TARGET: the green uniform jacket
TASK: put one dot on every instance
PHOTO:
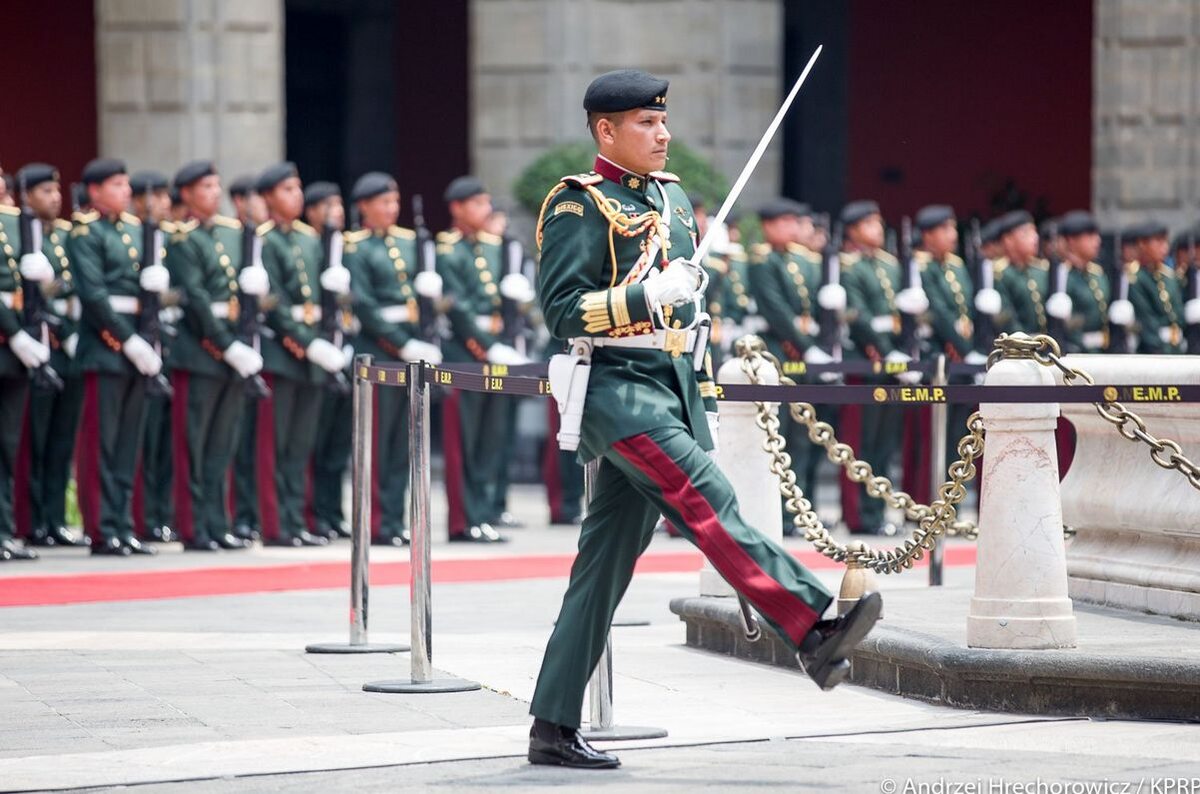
(292, 258)
(64, 303)
(871, 283)
(1158, 305)
(784, 284)
(106, 255)
(10, 285)
(380, 264)
(582, 292)
(738, 302)
(948, 286)
(1090, 295)
(471, 271)
(204, 260)
(1023, 293)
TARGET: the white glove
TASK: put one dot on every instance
(36, 267)
(1059, 306)
(244, 359)
(70, 344)
(515, 287)
(348, 352)
(1191, 311)
(416, 350)
(325, 355)
(254, 280)
(988, 301)
(503, 354)
(155, 278)
(912, 300)
(815, 355)
(975, 358)
(142, 356)
(832, 297)
(1120, 312)
(31, 352)
(336, 279)
(714, 425)
(428, 284)
(908, 377)
(674, 286)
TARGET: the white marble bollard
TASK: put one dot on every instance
(1020, 599)
(746, 465)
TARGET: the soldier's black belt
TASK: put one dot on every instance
(528, 380)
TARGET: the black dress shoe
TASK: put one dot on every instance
(395, 540)
(484, 533)
(201, 545)
(61, 536)
(163, 534)
(111, 547)
(135, 546)
(824, 654)
(284, 540)
(508, 521)
(11, 549)
(566, 520)
(309, 539)
(247, 532)
(332, 529)
(228, 541)
(555, 745)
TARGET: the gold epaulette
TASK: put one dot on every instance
(226, 221)
(131, 219)
(663, 176)
(736, 252)
(1132, 267)
(759, 253)
(579, 181)
(449, 237)
(886, 258)
(304, 228)
(180, 231)
(922, 258)
(355, 237)
(490, 239)
(955, 259)
(1041, 264)
(167, 227)
(1095, 269)
(402, 233)
(91, 216)
(7, 210)
(264, 227)
(61, 225)
(999, 265)
(849, 258)
(716, 264)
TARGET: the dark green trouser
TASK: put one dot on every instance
(113, 425)
(297, 407)
(245, 467)
(207, 421)
(156, 464)
(882, 431)
(483, 433)
(508, 437)
(53, 421)
(391, 463)
(331, 456)
(13, 390)
(664, 471)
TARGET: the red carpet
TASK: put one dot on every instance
(149, 585)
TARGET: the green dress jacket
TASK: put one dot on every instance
(292, 258)
(948, 286)
(1158, 305)
(1090, 294)
(381, 265)
(784, 284)
(204, 260)
(106, 255)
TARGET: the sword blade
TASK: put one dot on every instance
(748, 169)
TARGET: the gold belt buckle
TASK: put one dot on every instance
(310, 314)
(675, 342)
(234, 308)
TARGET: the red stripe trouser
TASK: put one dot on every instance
(664, 471)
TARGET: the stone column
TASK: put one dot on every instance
(1146, 113)
(186, 79)
(532, 59)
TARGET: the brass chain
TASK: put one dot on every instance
(1045, 350)
(933, 521)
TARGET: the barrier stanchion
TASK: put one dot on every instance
(939, 415)
(360, 478)
(421, 679)
(600, 705)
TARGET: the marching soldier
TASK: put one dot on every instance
(650, 413)
(152, 203)
(298, 361)
(1154, 291)
(53, 414)
(471, 264)
(382, 259)
(208, 361)
(1022, 279)
(107, 258)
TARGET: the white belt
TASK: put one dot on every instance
(754, 324)
(1093, 340)
(883, 324)
(400, 313)
(654, 341)
(1166, 334)
(220, 309)
(484, 323)
(171, 314)
(70, 307)
(303, 313)
(124, 304)
(7, 299)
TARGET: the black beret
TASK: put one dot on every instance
(275, 174)
(193, 172)
(856, 211)
(1049, 228)
(990, 232)
(176, 195)
(780, 207)
(933, 216)
(79, 195)
(1187, 238)
(625, 89)
(1077, 222)
(242, 186)
(101, 169)
(34, 174)
(317, 192)
(142, 181)
(372, 184)
(464, 188)
(1144, 230)
(697, 201)
(1011, 220)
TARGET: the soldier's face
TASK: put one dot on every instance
(257, 208)
(1083, 246)
(472, 213)
(160, 204)
(780, 231)
(111, 195)
(1021, 244)
(45, 200)
(638, 141)
(380, 212)
(203, 197)
(867, 233)
(327, 211)
(941, 240)
(286, 199)
(805, 232)
(1152, 250)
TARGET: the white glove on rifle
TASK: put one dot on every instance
(908, 377)
(975, 358)
(416, 350)
(674, 286)
(1059, 306)
(428, 284)
(1120, 312)
(31, 352)
(515, 287)
(155, 278)
(912, 300)
(815, 355)
(244, 359)
(70, 344)
(36, 267)
(714, 425)
(336, 280)
(1191, 311)
(254, 280)
(832, 297)
(141, 355)
(503, 354)
(987, 301)
(325, 355)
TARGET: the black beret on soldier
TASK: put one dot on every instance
(143, 181)
(1077, 222)
(33, 174)
(193, 172)
(856, 211)
(1144, 231)
(242, 186)
(464, 188)
(1012, 220)
(317, 192)
(372, 184)
(275, 174)
(933, 216)
(101, 169)
(625, 89)
(781, 207)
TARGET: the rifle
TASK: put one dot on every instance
(248, 310)
(37, 318)
(150, 303)
(984, 336)
(1058, 273)
(1118, 335)
(510, 311)
(908, 342)
(831, 320)
(426, 260)
(1193, 289)
(331, 327)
